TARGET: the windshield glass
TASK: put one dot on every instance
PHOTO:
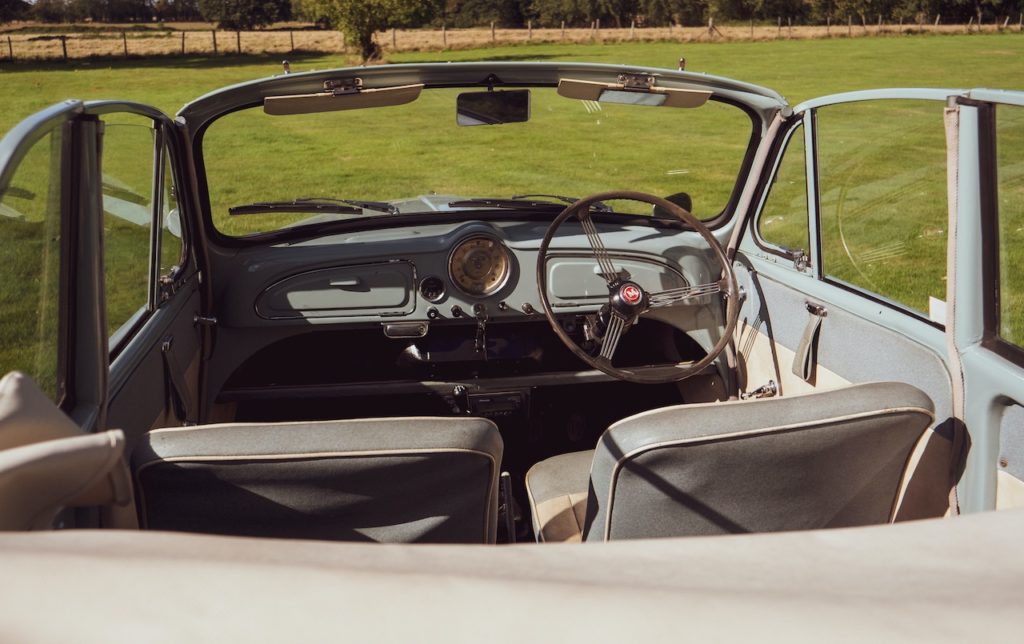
(416, 157)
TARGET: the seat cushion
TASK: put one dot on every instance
(557, 491)
(387, 480)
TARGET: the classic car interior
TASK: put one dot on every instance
(485, 361)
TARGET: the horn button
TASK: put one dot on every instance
(628, 299)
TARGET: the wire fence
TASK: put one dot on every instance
(143, 44)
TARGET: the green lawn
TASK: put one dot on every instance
(413, 150)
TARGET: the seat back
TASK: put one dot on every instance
(386, 480)
(820, 460)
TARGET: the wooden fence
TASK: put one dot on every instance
(143, 44)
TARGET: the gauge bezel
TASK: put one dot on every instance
(441, 296)
(502, 248)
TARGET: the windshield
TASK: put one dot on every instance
(416, 157)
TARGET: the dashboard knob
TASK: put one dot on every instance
(457, 311)
(433, 313)
(528, 308)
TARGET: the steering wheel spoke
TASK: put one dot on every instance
(604, 260)
(675, 296)
(616, 329)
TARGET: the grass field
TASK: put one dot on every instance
(401, 157)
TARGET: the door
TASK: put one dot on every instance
(844, 264)
(99, 278)
(988, 331)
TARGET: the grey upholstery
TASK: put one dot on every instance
(388, 480)
(821, 460)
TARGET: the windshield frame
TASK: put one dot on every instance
(757, 103)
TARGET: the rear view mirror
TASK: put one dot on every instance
(493, 108)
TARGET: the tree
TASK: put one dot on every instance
(244, 14)
(358, 20)
(13, 10)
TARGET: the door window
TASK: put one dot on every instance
(1010, 177)
(30, 263)
(882, 199)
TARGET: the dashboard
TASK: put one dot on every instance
(412, 277)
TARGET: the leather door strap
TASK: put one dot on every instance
(178, 397)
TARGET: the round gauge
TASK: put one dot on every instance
(432, 288)
(479, 266)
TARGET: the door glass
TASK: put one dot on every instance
(882, 192)
(783, 220)
(30, 233)
(128, 155)
(1010, 173)
(170, 230)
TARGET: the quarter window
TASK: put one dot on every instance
(1010, 176)
(783, 220)
(30, 256)
(128, 160)
(882, 199)
(170, 218)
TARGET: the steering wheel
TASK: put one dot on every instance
(628, 301)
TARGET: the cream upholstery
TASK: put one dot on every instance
(47, 463)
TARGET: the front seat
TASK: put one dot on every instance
(387, 480)
(821, 460)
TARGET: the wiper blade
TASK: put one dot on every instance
(364, 204)
(316, 205)
(599, 206)
(520, 204)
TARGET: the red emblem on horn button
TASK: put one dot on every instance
(630, 294)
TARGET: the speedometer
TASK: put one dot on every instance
(479, 266)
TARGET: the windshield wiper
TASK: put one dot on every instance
(314, 205)
(525, 202)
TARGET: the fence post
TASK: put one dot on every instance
(529, 30)
(214, 32)
(789, 27)
(64, 47)
(124, 41)
(182, 43)
(938, 17)
(238, 41)
(969, 24)
(828, 26)
(778, 34)
(291, 40)
(492, 31)
(1006, 22)
(563, 30)
(632, 28)
(879, 23)
(751, 28)
(598, 27)
(444, 35)
(10, 49)
(849, 25)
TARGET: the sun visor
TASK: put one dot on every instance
(632, 93)
(341, 97)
